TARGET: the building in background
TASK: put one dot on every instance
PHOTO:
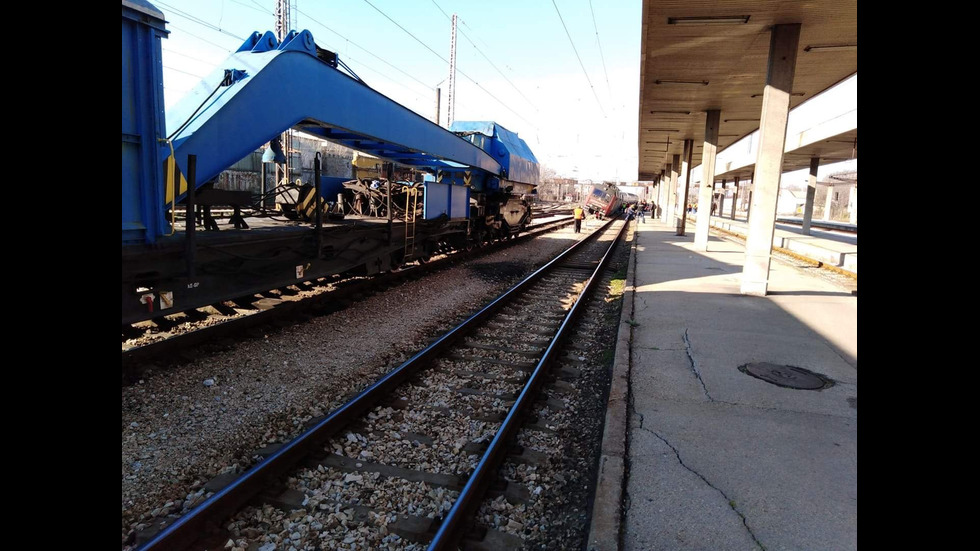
(840, 189)
(246, 174)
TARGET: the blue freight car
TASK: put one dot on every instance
(142, 122)
(451, 189)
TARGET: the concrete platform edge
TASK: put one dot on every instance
(845, 260)
(607, 509)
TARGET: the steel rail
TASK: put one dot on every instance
(225, 502)
(230, 327)
(456, 522)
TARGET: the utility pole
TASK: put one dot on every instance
(451, 100)
(438, 100)
(284, 22)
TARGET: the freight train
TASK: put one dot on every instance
(437, 189)
(607, 200)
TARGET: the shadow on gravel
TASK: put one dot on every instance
(499, 272)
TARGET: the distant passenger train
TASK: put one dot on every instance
(608, 199)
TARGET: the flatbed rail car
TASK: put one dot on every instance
(474, 183)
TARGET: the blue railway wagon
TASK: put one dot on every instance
(142, 122)
(475, 191)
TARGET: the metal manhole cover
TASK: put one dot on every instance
(787, 376)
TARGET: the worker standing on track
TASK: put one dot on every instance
(579, 215)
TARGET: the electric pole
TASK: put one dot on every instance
(438, 99)
(451, 100)
(284, 23)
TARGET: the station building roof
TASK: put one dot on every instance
(698, 55)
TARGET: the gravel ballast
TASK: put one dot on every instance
(182, 427)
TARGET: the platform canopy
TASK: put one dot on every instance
(698, 55)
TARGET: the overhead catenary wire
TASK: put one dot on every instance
(200, 21)
(368, 67)
(442, 10)
(484, 42)
(382, 74)
(499, 71)
(602, 57)
(188, 33)
(599, 103)
(478, 85)
(210, 26)
(365, 50)
(406, 30)
(475, 47)
(226, 49)
(487, 92)
(259, 8)
(180, 71)
(365, 65)
(175, 52)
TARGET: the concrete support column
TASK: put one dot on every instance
(748, 202)
(734, 197)
(769, 165)
(684, 186)
(811, 192)
(721, 200)
(854, 205)
(830, 199)
(670, 217)
(706, 195)
(655, 200)
(655, 197)
(662, 195)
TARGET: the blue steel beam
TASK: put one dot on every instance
(271, 87)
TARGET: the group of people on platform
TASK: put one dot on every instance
(693, 208)
(638, 210)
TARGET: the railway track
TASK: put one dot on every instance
(414, 459)
(846, 279)
(169, 338)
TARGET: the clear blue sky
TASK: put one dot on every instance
(515, 63)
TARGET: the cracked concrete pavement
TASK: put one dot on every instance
(717, 459)
(691, 529)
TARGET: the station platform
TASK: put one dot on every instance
(709, 441)
(833, 243)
